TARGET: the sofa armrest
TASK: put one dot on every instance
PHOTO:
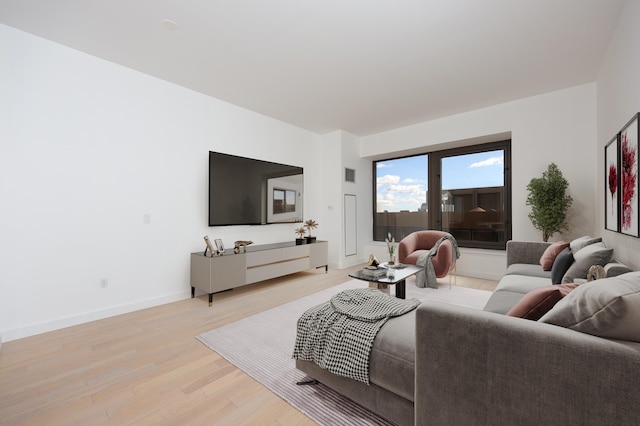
(476, 367)
(525, 252)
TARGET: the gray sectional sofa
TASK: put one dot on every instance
(449, 365)
(524, 272)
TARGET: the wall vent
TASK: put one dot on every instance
(349, 175)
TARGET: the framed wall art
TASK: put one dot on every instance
(612, 184)
(629, 178)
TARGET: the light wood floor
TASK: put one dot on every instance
(146, 367)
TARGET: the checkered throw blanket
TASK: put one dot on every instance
(338, 335)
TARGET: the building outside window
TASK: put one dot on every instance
(463, 191)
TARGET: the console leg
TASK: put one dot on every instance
(401, 290)
(193, 292)
(210, 299)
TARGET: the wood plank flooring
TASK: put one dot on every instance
(146, 367)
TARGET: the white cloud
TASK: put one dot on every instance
(493, 161)
(384, 166)
(407, 189)
(388, 180)
(411, 180)
(396, 197)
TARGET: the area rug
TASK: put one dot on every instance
(261, 345)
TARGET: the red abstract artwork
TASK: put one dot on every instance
(629, 178)
(613, 182)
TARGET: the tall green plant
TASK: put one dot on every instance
(549, 202)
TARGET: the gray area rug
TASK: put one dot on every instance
(261, 345)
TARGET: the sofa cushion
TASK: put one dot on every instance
(539, 301)
(392, 359)
(521, 283)
(608, 308)
(527, 269)
(582, 242)
(561, 265)
(501, 301)
(511, 289)
(593, 254)
(549, 255)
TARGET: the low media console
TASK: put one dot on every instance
(261, 262)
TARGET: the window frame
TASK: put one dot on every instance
(435, 183)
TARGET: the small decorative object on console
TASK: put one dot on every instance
(310, 224)
(301, 239)
(243, 244)
(209, 247)
(373, 261)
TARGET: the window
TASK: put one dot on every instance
(469, 187)
(401, 196)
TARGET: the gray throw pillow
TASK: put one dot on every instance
(582, 242)
(561, 265)
(608, 308)
(593, 254)
(615, 269)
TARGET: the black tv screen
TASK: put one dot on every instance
(246, 191)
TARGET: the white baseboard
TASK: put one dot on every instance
(349, 262)
(33, 329)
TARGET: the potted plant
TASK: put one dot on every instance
(310, 224)
(391, 246)
(301, 239)
(549, 202)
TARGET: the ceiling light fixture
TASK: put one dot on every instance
(170, 25)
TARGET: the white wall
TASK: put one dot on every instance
(87, 150)
(618, 100)
(330, 192)
(558, 127)
(364, 196)
(340, 150)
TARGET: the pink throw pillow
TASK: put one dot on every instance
(549, 255)
(539, 301)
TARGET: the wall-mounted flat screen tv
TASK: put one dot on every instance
(246, 191)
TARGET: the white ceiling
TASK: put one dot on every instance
(363, 66)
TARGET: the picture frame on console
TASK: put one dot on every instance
(219, 245)
(629, 215)
(612, 184)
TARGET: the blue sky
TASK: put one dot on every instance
(402, 183)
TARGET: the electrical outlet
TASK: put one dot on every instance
(104, 283)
